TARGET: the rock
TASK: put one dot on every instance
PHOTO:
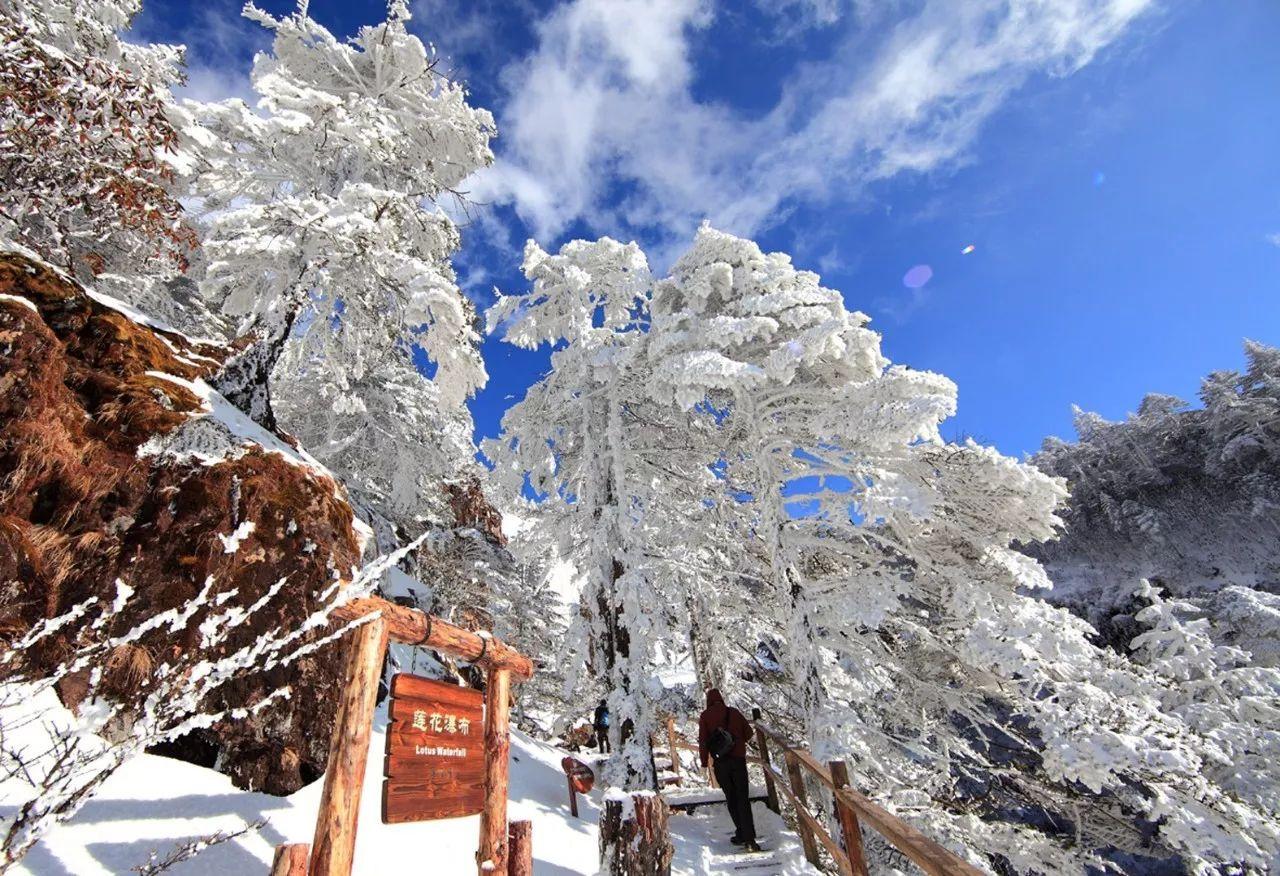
(472, 510)
(118, 461)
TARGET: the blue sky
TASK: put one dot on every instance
(1114, 163)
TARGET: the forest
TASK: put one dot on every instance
(236, 365)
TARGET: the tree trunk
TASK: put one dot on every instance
(708, 669)
(616, 665)
(633, 836)
(245, 378)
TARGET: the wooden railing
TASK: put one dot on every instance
(853, 809)
(673, 742)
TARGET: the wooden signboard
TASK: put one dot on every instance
(581, 780)
(435, 764)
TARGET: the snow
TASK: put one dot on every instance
(141, 318)
(231, 543)
(155, 803)
(218, 432)
(18, 299)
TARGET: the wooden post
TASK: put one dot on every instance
(671, 747)
(573, 797)
(802, 799)
(849, 827)
(290, 860)
(492, 855)
(520, 841)
(335, 838)
(762, 742)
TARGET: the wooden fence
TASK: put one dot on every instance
(852, 809)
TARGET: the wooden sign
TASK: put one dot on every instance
(581, 780)
(435, 764)
(580, 775)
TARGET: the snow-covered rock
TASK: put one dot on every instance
(119, 462)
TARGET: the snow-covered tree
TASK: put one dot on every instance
(1218, 690)
(588, 438)
(85, 139)
(894, 598)
(324, 232)
(1187, 497)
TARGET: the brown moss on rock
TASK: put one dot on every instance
(472, 509)
(82, 390)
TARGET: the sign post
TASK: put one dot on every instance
(581, 779)
(492, 856)
(334, 846)
(443, 777)
(435, 761)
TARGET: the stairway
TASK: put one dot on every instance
(758, 863)
(700, 828)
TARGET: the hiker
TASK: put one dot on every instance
(722, 735)
(601, 725)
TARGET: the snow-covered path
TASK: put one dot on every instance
(154, 804)
(702, 845)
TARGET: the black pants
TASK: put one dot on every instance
(731, 773)
(602, 739)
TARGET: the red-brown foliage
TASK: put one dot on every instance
(79, 508)
(80, 155)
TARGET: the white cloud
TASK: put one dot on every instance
(220, 46)
(1274, 238)
(465, 33)
(603, 125)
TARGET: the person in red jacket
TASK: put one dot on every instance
(731, 765)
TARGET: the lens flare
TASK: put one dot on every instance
(917, 276)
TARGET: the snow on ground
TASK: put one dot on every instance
(702, 845)
(154, 804)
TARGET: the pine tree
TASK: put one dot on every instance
(323, 231)
(896, 599)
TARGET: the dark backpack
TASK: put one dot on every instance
(721, 741)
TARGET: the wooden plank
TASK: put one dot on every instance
(435, 754)
(409, 687)
(335, 837)
(520, 840)
(497, 743)
(409, 626)
(801, 800)
(850, 830)
(933, 858)
(407, 801)
(290, 860)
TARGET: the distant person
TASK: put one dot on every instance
(601, 725)
(722, 735)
